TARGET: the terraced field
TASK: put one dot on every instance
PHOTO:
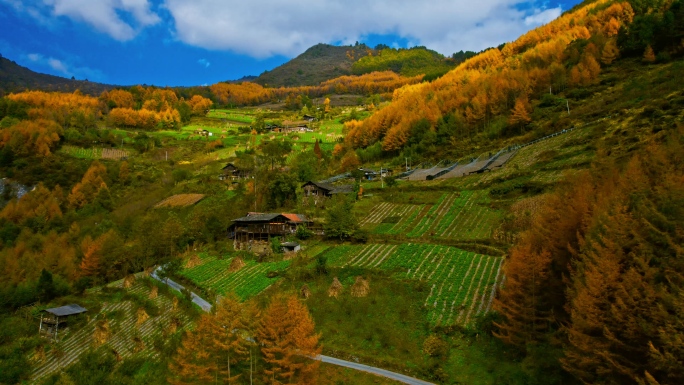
(124, 330)
(465, 215)
(245, 283)
(462, 283)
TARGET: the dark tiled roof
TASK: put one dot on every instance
(266, 217)
(70, 309)
(343, 189)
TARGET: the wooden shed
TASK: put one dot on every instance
(55, 319)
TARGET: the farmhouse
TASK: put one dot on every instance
(55, 319)
(259, 226)
(317, 189)
(232, 172)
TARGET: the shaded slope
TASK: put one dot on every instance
(15, 78)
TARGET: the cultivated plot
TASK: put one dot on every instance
(127, 335)
(462, 283)
(250, 280)
(463, 215)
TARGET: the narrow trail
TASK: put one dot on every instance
(206, 306)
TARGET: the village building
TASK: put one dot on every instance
(232, 172)
(309, 118)
(56, 319)
(317, 189)
(264, 226)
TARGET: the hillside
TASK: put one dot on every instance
(15, 78)
(407, 62)
(317, 64)
(529, 230)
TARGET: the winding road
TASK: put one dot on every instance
(206, 306)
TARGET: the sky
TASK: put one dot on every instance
(198, 42)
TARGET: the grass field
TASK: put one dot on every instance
(245, 283)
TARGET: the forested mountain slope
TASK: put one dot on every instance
(15, 78)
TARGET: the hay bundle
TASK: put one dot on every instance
(138, 344)
(174, 324)
(305, 291)
(175, 303)
(129, 281)
(102, 332)
(193, 262)
(236, 264)
(336, 288)
(39, 354)
(360, 288)
(117, 355)
(148, 271)
(154, 292)
(142, 316)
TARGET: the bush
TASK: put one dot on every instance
(303, 233)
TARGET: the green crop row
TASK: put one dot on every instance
(247, 282)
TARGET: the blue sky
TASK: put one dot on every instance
(195, 42)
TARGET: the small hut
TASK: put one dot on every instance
(52, 320)
(290, 247)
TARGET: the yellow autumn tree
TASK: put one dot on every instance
(90, 185)
(649, 55)
(288, 341)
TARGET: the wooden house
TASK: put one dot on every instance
(56, 319)
(317, 189)
(232, 172)
(261, 226)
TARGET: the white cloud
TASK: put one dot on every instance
(120, 19)
(204, 62)
(58, 66)
(61, 67)
(263, 28)
(543, 16)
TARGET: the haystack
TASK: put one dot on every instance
(39, 354)
(175, 303)
(129, 281)
(102, 332)
(336, 288)
(142, 316)
(360, 288)
(236, 264)
(305, 291)
(174, 324)
(148, 271)
(154, 291)
(193, 262)
(138, 343)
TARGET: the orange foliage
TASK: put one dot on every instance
(287, 338)
(489, 83)
(241, 94)
(60, 107)
(32, 253)
(37, 137)
(39, 203)
(199, 104)
(90, 185)
(120, 98)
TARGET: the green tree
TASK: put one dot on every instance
(282, 190)
(340, 221)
